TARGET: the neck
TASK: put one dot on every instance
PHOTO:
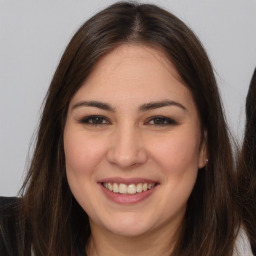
(153, 243)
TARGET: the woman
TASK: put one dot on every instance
(247, 167)
(132, 153)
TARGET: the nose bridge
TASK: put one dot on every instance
(127, 147)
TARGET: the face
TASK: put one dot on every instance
(132, 143)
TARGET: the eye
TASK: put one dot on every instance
(94, 120)
(161, 121)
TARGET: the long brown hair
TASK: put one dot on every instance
(57, 224)
(247, 167)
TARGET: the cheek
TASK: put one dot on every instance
(178, 162)
(177, 154)
(82, 153)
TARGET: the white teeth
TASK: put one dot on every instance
(115, 188)
(131, 189)
(123, 189)
(128, 189)
(150, 186)
(139, 188)
(109, 186)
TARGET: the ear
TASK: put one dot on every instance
(203, 152)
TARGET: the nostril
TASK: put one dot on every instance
(127, 157)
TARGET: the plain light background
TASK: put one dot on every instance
(33, 36)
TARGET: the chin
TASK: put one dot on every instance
(128, 226)
(128, 231)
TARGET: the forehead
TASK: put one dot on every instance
(132, 61)
(134, 72)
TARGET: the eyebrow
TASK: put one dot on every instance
(142, 108)
(95, 104)
(160, 104)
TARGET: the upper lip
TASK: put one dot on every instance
(127, 181)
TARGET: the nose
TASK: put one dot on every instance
(127, 148)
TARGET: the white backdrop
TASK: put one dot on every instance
(33, 35)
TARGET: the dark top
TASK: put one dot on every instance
(8, 207)
(9, 229)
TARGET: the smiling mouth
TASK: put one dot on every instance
(128, 189)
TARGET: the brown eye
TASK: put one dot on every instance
(161, 121)
(95, 120)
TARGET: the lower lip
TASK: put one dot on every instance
(127, 198)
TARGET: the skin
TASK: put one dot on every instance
(129, 142)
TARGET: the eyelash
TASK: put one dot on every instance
(97, 120)
(162, 121)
